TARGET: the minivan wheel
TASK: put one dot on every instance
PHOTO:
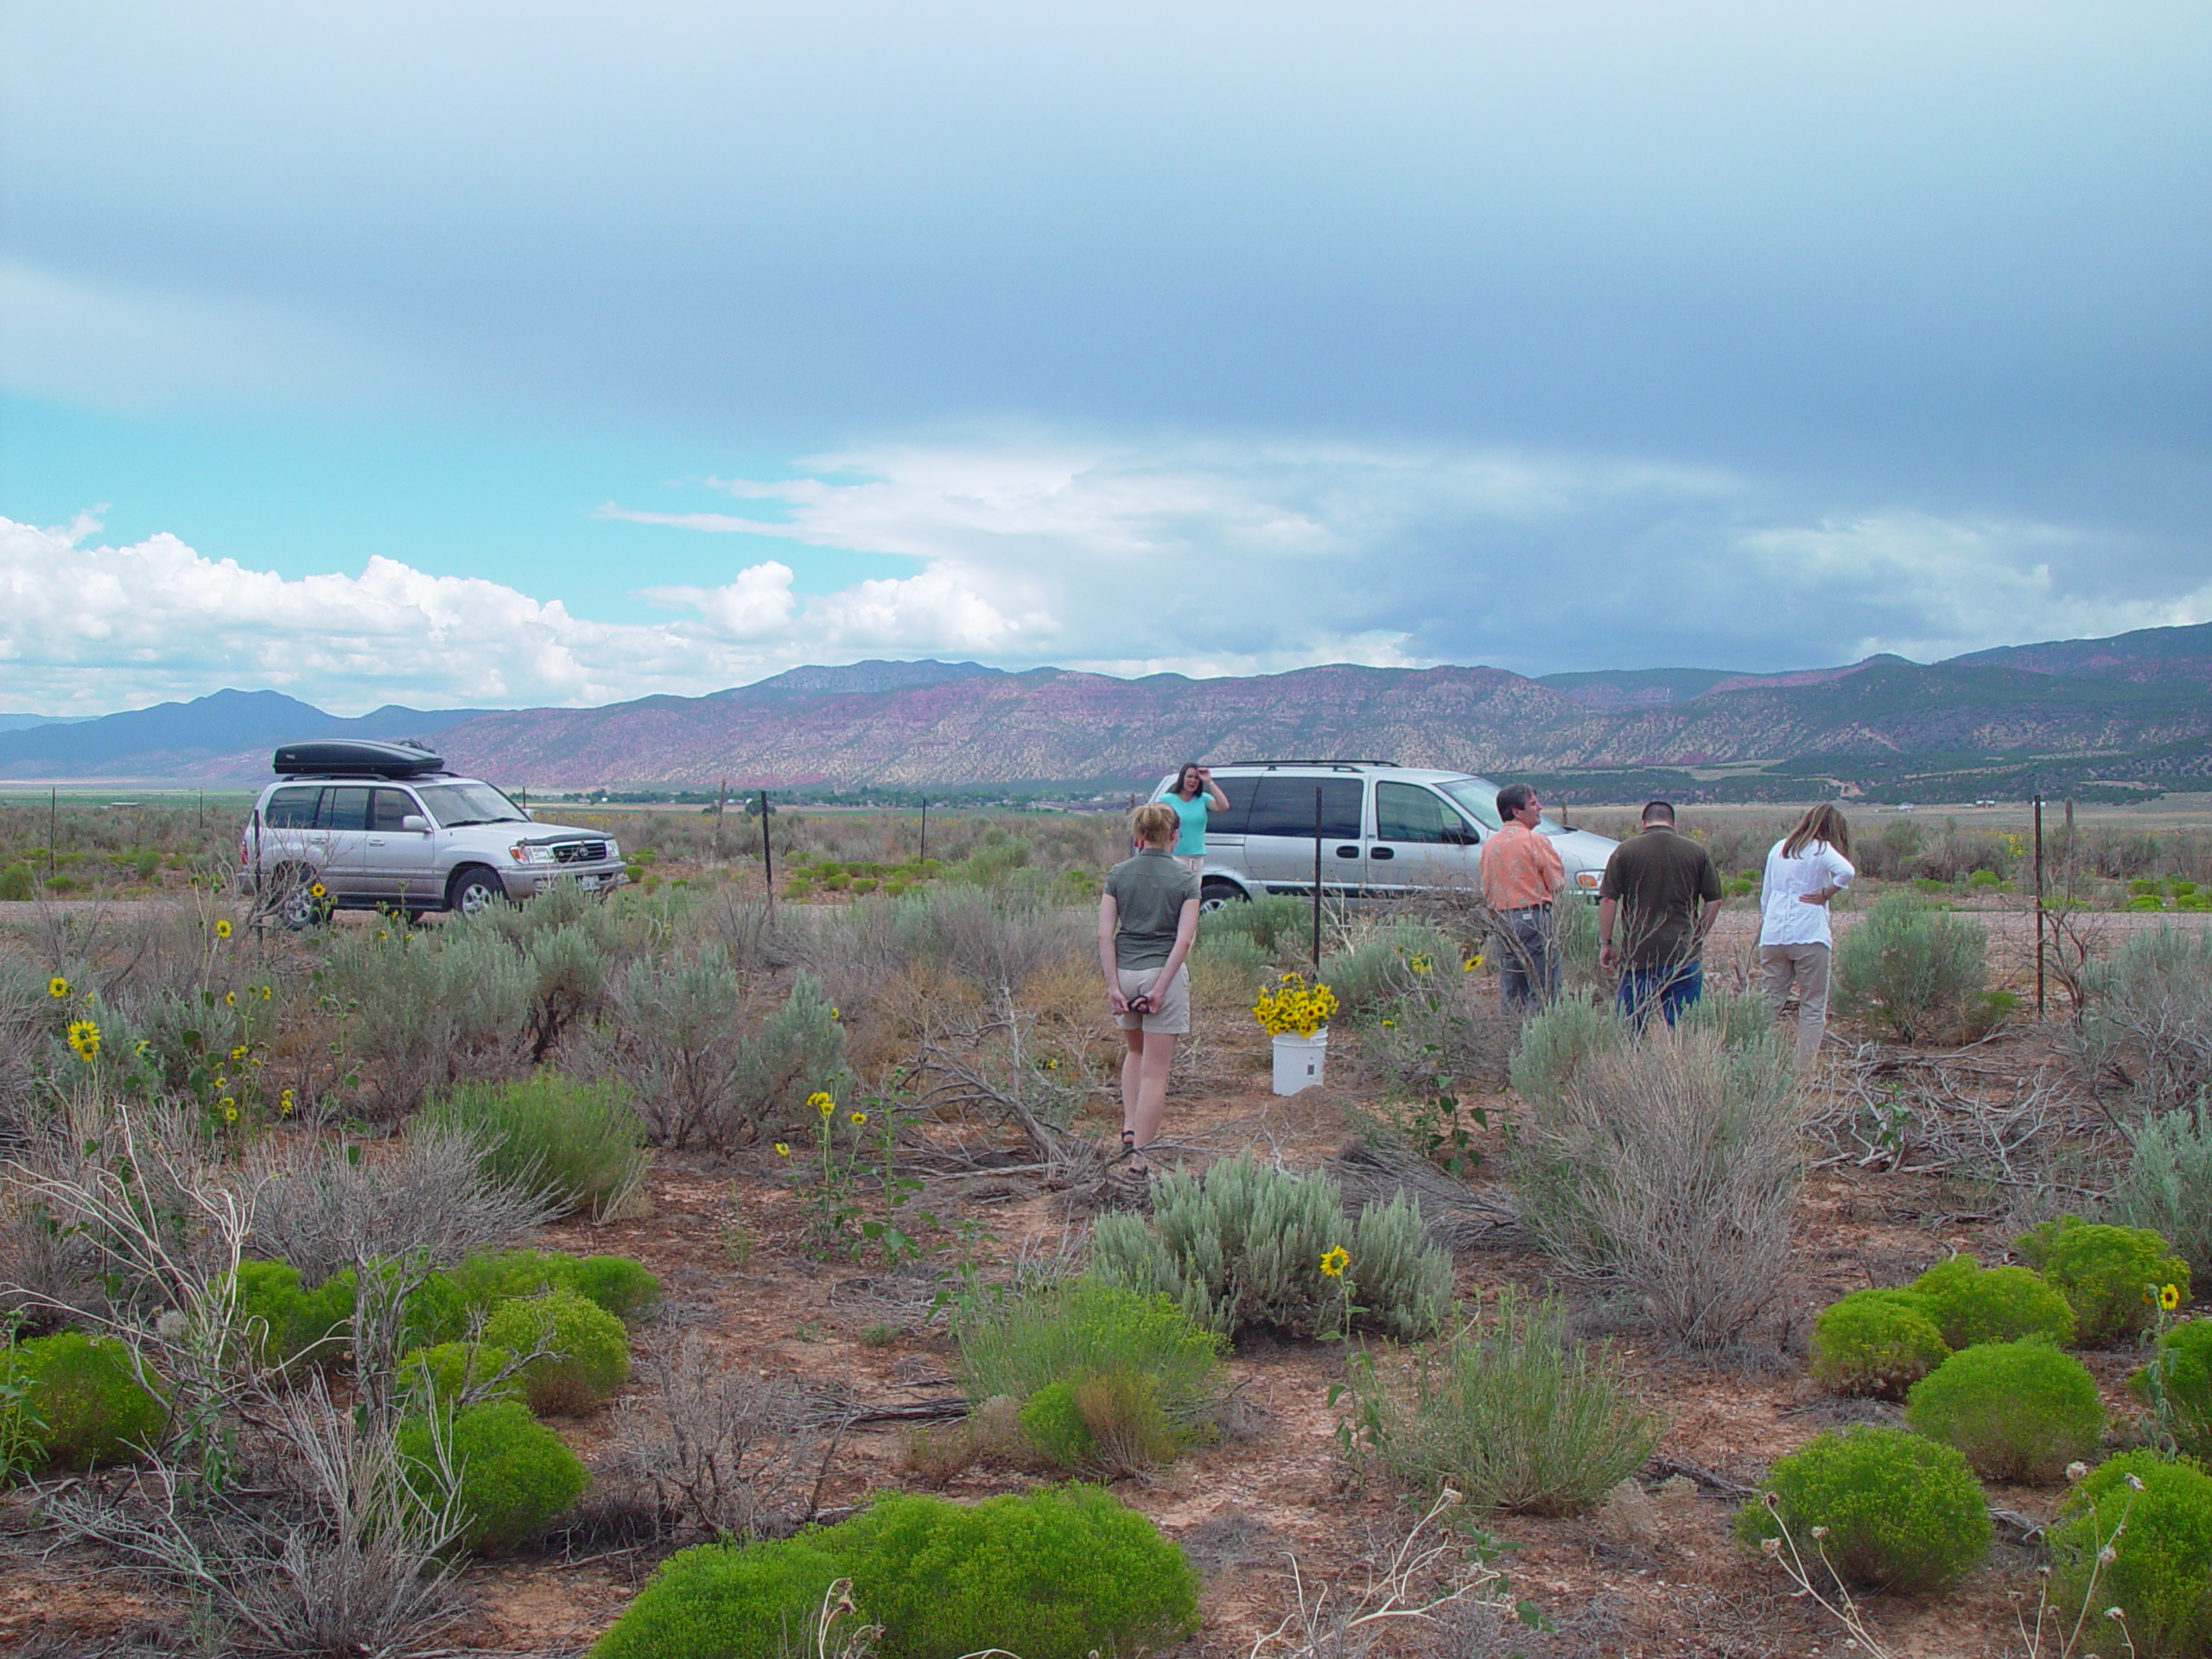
(1213, 894)
(475, 889)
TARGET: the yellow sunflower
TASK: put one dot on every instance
(859, 1118)
(2170, 1297)
(1334, 1261)
(316, 891)
(222, 930)
(84, 1041)
(782, 1151)
(57, 987)
(822, 1103)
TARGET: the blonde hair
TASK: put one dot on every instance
(1822, 823)
(1155, 823)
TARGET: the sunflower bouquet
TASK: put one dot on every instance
(1292, 1004)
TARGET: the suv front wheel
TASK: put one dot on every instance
(475, 889)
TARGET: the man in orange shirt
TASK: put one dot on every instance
(1522, 872)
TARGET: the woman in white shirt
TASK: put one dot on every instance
(1805, 869)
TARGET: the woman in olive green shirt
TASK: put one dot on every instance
(1147, 919)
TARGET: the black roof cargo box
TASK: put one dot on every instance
(356, 757)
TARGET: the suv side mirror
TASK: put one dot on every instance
(415, 821)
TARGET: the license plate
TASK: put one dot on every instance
(588, 882)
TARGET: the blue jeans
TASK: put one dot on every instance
(1668, 990)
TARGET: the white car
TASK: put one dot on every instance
(385, 825)
(1383, 829)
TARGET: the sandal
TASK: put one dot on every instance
(1128, 1143)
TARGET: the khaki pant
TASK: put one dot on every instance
(1805, 968)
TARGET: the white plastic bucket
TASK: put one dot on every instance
(1299, 1060)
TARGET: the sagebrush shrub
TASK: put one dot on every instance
(2018, 1410)
(580, 1146)
(2167, 1186)
(1226, 970)
(515, 1474)
(2159, 1526)
(1557, 1042)
(590, 1356)
(1276, 924)
(86, 1399)
(1670, 1168)
(2176, 1381)
(2110, 1276)
(289, 1326)
(1056, 1573)
(1903, 1512)
(1974, 1304)
(1877, 1342)
(1100, 1424)
(1917, 973)
(726, 1601)
(437, 1006)
(2148, 1016)
(1059, 1333)
(436, 1377)
(1243, 1245)
(1392, 960)
(1513, 1415)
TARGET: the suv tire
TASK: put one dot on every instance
(1216, 893)
(475, 890)
(295, 905)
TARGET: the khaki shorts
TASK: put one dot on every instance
(1171, 1018)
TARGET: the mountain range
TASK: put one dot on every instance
(2128, 715)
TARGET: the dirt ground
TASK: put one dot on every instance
(1661, 1578)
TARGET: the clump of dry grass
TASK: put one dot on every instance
(1669, 1168)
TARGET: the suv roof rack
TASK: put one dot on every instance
(1309, 763)
(355, 757)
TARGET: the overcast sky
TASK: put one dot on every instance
(501, 354)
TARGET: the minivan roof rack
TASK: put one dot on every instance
(355, 757)
(1309, 763)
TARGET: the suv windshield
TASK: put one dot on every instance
(1479, 798)
(455, 805)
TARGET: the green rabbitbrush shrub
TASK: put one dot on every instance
(1974, 1304)
(590, 1356)
(1877, 1342)
(442, 1309)
(2110, 1276)
(1514, 1415)
(1241, 1247)
(2161, 1575)
(1902, 1512)
(2018, 1410)
(289, 1327)
(515, 1473)
(85, 1399)
(1102, 1425)
(579, 1145)
(1058, 1573)
(438, 1376)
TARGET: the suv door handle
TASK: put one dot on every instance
(1347, 851)
(1381, 852)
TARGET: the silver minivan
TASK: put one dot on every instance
(1384, 829)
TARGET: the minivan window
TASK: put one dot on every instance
(1409, 812)
(291, 808)
(455, 804)
(1284, 806)
(1479, 799)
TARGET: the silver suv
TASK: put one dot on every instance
(1385, 829)
(357, 825)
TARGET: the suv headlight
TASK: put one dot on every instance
(522, 853)
(1589, 880)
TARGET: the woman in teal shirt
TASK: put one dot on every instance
(1195, 795)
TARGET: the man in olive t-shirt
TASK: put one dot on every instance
(1661, 892)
